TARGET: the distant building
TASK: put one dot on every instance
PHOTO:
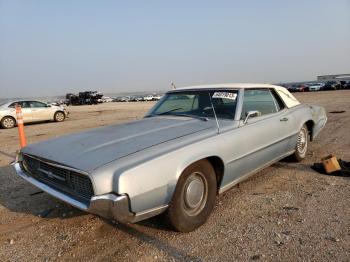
(341, 77)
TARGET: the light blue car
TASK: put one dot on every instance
(195, 143)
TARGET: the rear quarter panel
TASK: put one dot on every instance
(304, 113)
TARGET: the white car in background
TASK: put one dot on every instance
(106, 99)
(148, 98)
(32, 111)
(157, 97)
(316, 86)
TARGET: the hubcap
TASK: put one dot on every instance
(302, 141)
(8, 122)
(195, 194)
(59, 116)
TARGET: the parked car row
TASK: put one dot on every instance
(84, 98)
(317, 86)
(137, 98)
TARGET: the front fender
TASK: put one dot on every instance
(152, 183)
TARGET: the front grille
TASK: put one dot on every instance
(64, 180)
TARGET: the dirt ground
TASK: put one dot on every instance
(287, 212)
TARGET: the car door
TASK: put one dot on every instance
(262, 139)
(25, 108)
(40, 111)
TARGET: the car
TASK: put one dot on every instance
(177, 158)
(122, 99)
(296, 88)
(106, 99)
(332, 85)
(344, 84)
(347, 85)
(148, 98)
(315, 86)
(32, 111)
(157, 97)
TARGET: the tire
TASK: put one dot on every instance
(8, 122)
(301, 145)
(59, 116)
(189, 209)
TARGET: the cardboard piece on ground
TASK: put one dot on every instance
(330, 164)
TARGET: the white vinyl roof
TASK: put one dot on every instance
(287, 97)
(229, 85)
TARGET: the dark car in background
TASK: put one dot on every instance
(347, 85)
(332, 85)
(296, 88)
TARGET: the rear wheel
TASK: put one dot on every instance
(8, 122)
(194, 197)
(302, 143)
(59, 116)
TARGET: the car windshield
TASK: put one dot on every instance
(197, 104)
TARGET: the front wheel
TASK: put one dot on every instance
(59, 116)
(302, 143)
(194, 197)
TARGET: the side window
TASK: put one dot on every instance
(278, 101)
(36, 104)
(25, 104)
(258, 100)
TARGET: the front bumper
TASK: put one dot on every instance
(110, 206)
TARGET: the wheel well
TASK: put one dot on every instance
(219, 168)
(310, 124)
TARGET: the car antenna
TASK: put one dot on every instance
(216, 119)
(173, 85)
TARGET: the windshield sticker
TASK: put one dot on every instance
(226, 95)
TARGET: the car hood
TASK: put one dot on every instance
(91, 149)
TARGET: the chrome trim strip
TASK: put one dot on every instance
(50, 190)
(149, 213)
(58, 165)
(246, 176)
(108, 197)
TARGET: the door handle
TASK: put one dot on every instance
(284, 119)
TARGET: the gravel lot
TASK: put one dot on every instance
(287, 212)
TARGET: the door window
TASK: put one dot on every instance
(36, 104)
(258, 100)
(23, 104)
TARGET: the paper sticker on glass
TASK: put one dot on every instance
(227, 95)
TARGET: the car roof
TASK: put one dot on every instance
(9, 102)
(286, 96)
(230, 85)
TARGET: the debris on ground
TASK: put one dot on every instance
(341, 168)
(337, 112)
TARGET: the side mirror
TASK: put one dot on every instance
(251, 114)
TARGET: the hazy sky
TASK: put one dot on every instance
(54, 47)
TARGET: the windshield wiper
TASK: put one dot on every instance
(181, 114)
(167, 112)
(203, 118)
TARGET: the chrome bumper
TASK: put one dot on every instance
(109, 206)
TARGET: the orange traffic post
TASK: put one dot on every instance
(22, 137)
